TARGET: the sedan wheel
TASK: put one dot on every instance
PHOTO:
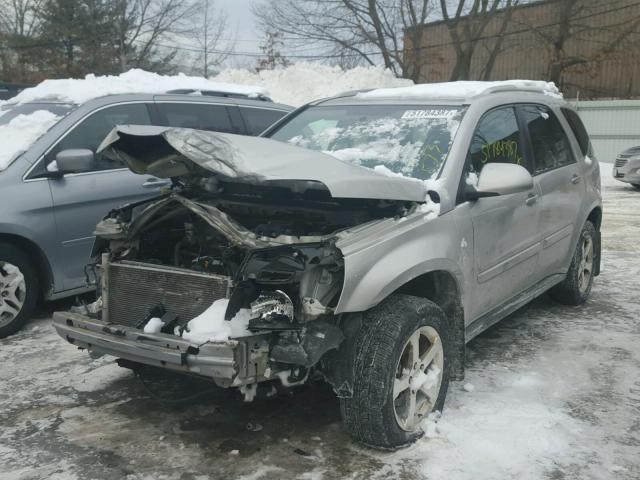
(418, 378)
(13, 293)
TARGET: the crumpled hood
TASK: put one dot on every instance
(172, 152)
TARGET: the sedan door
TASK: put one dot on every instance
(80, 200)
(506, 227)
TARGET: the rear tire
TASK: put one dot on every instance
(401, 372)
(636, 186)
(575, 288)
(18, 289)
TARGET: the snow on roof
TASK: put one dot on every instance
(459, 90)
(79, 91)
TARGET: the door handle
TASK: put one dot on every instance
(575, 179)
(155, 183)
(531, 199)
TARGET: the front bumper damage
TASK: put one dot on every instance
(228, 363)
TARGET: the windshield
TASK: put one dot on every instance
(22, 125)
(411, 140)
(9, 112)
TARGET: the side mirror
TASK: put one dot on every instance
(500, 179)
(72, 161)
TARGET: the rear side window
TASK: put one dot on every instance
(578, 129)
(549, 143)
(200, 116)
(497, 139)
(259, 119)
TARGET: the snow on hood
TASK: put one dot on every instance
(20, 133)
(458, 90)
(162, 151)
(78, 91)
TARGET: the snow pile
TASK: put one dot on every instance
(210, 325)
(303, 82)
(78, 91)
(154, 325)
(18, 135)
(461, 89)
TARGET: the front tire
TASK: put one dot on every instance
(401, 372)
(636, 186)
(576, 287)
(18, 289)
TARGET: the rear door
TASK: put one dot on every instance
(561, 183)
(80, 200)
(505, 228)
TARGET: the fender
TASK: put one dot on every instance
(376, 270)
(26, 239)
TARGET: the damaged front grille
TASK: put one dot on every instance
(133, 289)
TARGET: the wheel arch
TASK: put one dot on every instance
(441, 287)
(595, 217)
(40, 261)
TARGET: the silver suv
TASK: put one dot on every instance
(368, 239)
(50, 203)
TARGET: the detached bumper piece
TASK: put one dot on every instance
(228, 362)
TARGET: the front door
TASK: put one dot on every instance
(506, 228)
(80, 200)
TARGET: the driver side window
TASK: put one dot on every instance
(93, 129)
(497, 139)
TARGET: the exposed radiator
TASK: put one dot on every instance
(133, 288)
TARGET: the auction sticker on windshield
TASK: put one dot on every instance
(431, 113)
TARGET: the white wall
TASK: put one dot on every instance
(613, 125)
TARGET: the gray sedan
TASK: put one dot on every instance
(49, 206)
(627, 167)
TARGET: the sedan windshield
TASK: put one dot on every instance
(9, 112)
(22, 125)
(411, 140)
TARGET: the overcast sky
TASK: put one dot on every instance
(241, 21)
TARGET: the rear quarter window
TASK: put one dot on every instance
(578, 129)
(259, 119)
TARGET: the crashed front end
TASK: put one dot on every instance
(265, 247)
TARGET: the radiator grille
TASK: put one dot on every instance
(135, 288)
(621, 162)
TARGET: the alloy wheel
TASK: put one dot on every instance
(13, 292)
(416, 384)
(586, 264)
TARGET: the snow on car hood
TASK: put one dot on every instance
(171, 152)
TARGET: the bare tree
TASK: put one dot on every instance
(271, 48)
(369, 30)
(585, 21)
(466, 23)
(140, 27)
(18, 27)
(209, 32)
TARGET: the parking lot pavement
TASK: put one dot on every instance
(551, 392)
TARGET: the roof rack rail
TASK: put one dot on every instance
(515, 88)
(216, 93)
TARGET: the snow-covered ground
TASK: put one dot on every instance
(552, 392)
